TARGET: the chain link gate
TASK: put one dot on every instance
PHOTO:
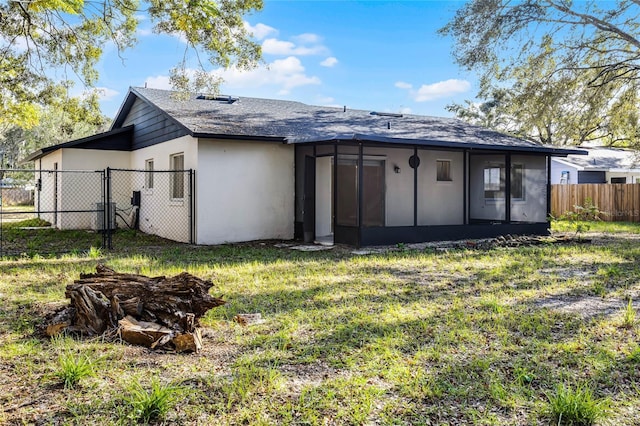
(55, 211)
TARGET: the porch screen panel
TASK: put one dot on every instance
(373, 193)
(487, 189)
(301, 153)
(347, 192)
(528, 188)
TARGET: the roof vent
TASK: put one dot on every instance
(220, 98)
(386, 114)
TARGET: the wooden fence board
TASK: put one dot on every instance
(619, 202)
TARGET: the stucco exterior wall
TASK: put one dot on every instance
(440, 203)
(79, 187)
(245, 191)
(160, 214)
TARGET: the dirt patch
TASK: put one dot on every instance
(586, 307)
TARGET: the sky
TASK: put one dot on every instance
(381, 56)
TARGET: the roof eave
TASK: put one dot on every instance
(441, 144)
(205, 135)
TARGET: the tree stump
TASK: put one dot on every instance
(157, 312)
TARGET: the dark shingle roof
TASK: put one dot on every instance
(295, 122)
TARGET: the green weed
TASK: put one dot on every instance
(72, 368)
(628, 315)
(152, 404)
(576, 406)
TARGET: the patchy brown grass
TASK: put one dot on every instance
(402, 336)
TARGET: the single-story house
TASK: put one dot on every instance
(600, 165)
(273, 169)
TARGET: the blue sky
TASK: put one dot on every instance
(371, 55)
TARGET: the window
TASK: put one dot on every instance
(177, 178)
(618, 180)
(443, 170)
(495, 182)
(148, 176)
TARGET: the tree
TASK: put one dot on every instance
(61, 118)
(37, 36)
(570, 70)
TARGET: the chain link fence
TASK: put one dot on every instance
(55, 211)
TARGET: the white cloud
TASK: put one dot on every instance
(329, 62)
(274, 46)
(403, 85)
(106, 94)
(441, 89)
(158, 82)
(307, 38)
(144, 32)
(287, 74)
(405, 110)
(260, 31)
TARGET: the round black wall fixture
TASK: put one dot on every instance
(414, 161)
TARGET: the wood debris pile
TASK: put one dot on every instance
(156, 312)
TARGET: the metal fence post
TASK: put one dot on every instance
(107, 210)
(192, 205)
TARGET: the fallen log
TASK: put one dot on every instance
(157, 312)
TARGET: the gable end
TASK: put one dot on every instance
(151, 125)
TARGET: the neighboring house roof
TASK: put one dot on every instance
(292, 122)
(604, 159)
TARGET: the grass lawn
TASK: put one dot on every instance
(530, 335)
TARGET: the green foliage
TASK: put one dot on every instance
(61, 34)
(558, 72)
(152, 404)
(576, 406)
(581, 217)
(72, 368)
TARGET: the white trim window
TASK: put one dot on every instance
(176, 162)
(148, 176)
(443, 170)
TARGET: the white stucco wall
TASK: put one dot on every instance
(159, 214)
(79, 187)
(440, 203)
(245, 191)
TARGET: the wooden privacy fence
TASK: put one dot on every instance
(620, 202)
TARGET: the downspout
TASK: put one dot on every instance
(507, 189)
(360, 192)
(415, 189)
(548, 158)
(334, 208)
(465, 188)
